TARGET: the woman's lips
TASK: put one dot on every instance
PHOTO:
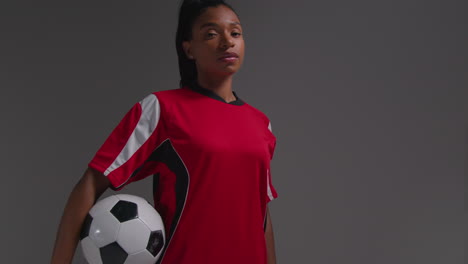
(228, 59)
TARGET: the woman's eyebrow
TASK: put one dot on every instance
(212, 24)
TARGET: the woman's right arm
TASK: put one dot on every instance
(83, 196)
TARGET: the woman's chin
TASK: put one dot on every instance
(231, 69)
(226, 72)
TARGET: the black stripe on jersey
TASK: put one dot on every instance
(166, 154)
(155, 182)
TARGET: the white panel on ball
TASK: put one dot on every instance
(133, 236)
(149, 216)
(90, 251)
(140, 257)
(103, 205)
(104, 229)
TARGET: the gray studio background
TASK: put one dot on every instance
(367, 100)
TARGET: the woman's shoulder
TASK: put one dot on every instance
(258, 113)
(170, 92)
(167, 94)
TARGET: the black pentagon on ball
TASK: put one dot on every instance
(155, 242)
(113, 254)
(85, 227)
(125, 210)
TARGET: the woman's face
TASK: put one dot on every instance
(216, 32)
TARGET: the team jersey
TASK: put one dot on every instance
(210, 163)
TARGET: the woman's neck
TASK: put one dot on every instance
(222, 86)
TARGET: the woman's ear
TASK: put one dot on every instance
(186, 46)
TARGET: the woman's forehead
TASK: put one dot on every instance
(220, 15)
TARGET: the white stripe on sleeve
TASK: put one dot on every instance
(150, 113)
(270, 194)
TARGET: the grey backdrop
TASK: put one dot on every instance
(367, 100)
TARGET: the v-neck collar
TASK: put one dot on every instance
(197, 88)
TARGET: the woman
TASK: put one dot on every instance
(207, 150)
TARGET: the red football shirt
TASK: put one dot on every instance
(210, 163)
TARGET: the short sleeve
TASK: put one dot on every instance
(271, 191)
(130, 143)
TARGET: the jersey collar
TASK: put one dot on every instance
(197, 88)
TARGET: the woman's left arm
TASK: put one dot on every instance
(270, 240)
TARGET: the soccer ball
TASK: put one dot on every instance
(122, 229)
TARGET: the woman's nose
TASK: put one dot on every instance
(227, 41)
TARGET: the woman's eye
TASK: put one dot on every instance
(236, 34)
(210, 34)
